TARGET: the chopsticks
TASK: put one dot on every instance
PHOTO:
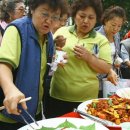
(22, 100)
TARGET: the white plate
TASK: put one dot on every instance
(83, 107)
(123, 92)
(125, 126)
(54, 122)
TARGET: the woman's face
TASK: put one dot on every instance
(19, 11)
(62, 22)
(85, 20)
(43, 18)
(113, 25)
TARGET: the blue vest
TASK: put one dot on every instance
(27, 75)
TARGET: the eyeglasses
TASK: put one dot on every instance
(46, 15)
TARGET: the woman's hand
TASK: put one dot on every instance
(97, 64)
(112, 77)
(118, 62)
(127, 63)
(12, 98)
(82, 53)
(60, 41)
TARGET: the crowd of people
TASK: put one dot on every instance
(29, 42)
(112, 20)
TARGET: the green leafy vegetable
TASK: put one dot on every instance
(90, 127)
(67, 124)
(94, 105)
(110, 102)
(47, 128)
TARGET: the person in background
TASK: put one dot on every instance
(126, 43)
(9, 11)
(56, 25)
(62, 21)
(88, 54)
(27, 46)
(125, 69)
(127, 35)
(112, 20)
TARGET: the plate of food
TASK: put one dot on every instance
(66, 124)
(123, 92)
(115, 110)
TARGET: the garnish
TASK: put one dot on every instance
(70, 126)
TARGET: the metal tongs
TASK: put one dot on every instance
(104, 122)
(36, 127)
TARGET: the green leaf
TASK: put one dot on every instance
(94, 105)
(110, 102)
(66, 124)
(47, 128)
(89, 127)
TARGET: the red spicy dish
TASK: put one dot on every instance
(114, 109)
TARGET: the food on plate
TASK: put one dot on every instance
(66, 125)
(114, 109)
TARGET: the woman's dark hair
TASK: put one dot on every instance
(83, 4)
(113, 11)
(53, 4)
(66, 10)
(6, 7)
